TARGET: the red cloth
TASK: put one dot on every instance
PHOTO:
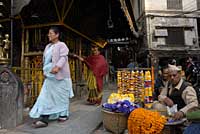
(99, 67)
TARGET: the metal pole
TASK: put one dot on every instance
(11, 33)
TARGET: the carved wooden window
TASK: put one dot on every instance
(174, 4)
(175, 37)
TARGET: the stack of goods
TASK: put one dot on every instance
(148, 89)
(140, 86)
(121, 78)
(142, 121)
(136, 83)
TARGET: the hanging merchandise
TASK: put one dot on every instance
(148, 88)
(137, 82)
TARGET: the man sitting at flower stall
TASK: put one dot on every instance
(178, 92)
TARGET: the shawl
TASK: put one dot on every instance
(99, 67)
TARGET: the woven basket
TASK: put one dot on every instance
(166, 130)
(114, 122)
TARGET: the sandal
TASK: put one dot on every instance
(98, 104)
(90, 103)
(39, 124)
(63, 118)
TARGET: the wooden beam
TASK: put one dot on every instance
(102, 45)
(64, 16)
(63, 8)
(57, 12)
(42, 25)
(8, 19)
(23, 47)
(84, 36)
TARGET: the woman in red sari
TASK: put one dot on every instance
(98, 68)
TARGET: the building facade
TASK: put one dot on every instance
(169, 28)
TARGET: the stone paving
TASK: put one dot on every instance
(84, 119)
(102, 130)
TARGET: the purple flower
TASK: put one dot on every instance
(131, 108)
(127, 102)
(121, 106)
(118, 105)
(125, 106)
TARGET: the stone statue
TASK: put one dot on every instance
(6, 47)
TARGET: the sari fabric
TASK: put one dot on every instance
(53, 99)
(98, 69)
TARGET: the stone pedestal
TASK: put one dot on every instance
(11, 99)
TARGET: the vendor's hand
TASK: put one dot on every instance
(178, 115)
(80, 58)
(168, 102)
(55, 70)
(74, 55)
(161, 98)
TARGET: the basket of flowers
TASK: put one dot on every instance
(114, 122)
(115, 115)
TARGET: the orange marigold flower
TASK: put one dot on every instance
(142, 121)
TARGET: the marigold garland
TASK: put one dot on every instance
(142, 121)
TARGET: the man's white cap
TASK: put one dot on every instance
(173, 68)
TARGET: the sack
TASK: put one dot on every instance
(172, 110)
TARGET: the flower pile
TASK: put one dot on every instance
(121, 106)
(142, 121)
(115, 97)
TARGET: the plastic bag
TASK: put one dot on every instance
(172, 110)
